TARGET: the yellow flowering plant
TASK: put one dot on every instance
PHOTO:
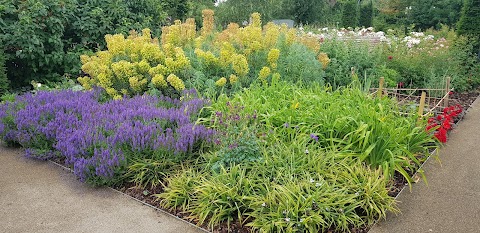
(131, 65)
(203, 59)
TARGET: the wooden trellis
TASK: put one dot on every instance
(430, 101)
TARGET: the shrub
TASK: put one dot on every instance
(59, 31)
(131, 65)
(41, 53)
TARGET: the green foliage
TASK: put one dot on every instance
(345, 120)
(466, 65)
(4, 82)
(238, 142)
(59, 31)
(344, 55)
(316, 191)
(91, 20)
(350, 13)
(180, 189)
(239, 11)
(366, 14)
(469, 21)
(426, 14)
(223, 197)
(149, 172)
(40, 54)
(288, 190)
(299, 64)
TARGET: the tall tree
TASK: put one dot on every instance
(366, 14)
(350, 13)
(469, 23)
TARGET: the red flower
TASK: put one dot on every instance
(446, 125)
(441, 135)
(390, 57)
(439, 117)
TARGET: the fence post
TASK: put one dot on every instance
(447, 91)
(422, 105)
(380, 87)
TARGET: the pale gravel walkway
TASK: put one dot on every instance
(451, 200)
(37, 196)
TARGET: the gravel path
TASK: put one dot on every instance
(37, 196)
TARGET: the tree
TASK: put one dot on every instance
(366, 14)
(426, 14)
(350, 13)
(302, 10)
(469, 22)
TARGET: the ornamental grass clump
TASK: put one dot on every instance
(288, 190)
(341, 120)
(99, 140)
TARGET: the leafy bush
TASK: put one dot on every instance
(131, 65)
(344, 55)
(100, 140)
(59, 31)
(42, 52)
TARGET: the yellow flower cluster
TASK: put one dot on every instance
(159, 81)
(229, 34)
(264, 73)
(176, 82)
(310, 41)
(233, 78)
(221, 82)
(179, 34)
(256, 21)
(137, 83)
(240, 65)
(208, 22)
(207, 57)
(323, 58)
(275, 77)
(131, 63)
(272, 57)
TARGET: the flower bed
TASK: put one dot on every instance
(100, 140)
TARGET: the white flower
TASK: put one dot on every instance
(356, 194)
(318, 184)
(312, 180)
(287, 219)
(306, 151)
(264, 204)
(39, 84)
